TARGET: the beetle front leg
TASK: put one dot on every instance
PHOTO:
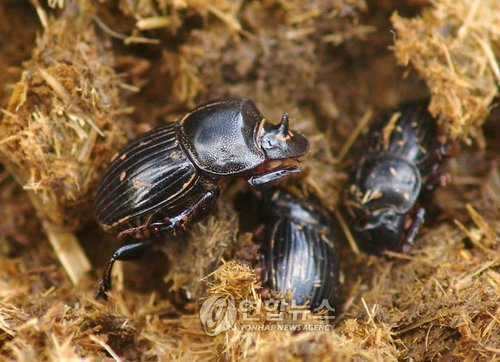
(415, 226)
(127, 252)
(262, 179)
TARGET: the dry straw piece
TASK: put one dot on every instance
(61, 127)
(454, 46)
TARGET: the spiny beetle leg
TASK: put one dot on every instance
(264, 179)
(201, 207)
(415, 226)
(134, 251)
(128, 252)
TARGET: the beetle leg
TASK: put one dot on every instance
(415, 226)
(262, 179)
(128, 252)
(197, 209)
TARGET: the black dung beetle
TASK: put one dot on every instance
(403, 153)
(173, 174)
(298, 251)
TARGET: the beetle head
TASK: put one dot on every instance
(279, 142)
(385, 228)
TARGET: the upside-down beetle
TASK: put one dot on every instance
(402, 156)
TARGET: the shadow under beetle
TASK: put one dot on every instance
(298, 251)
(173, 174)
(402, 157)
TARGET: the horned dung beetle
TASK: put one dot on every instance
(173, 174)
(404, 152)
(298, 250)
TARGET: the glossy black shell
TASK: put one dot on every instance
(222, 138)
(402, 158)
(172, 174)
(152, 172)
(298, 250)
(408, 133)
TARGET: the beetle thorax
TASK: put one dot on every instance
(220, 137)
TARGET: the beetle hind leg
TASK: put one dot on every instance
(128, 252)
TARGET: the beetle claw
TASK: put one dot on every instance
(103, 288)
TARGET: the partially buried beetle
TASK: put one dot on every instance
(298, 251)
(401, 161)
(173, 174)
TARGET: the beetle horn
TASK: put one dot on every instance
(283, 126)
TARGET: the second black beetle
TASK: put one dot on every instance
(298, 251)
(173, 174)
(403, 153)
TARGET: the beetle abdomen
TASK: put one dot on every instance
(299, 254)
(146, 176)
(300, 260)
(409, 132)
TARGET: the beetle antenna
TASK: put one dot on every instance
(283, 126)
